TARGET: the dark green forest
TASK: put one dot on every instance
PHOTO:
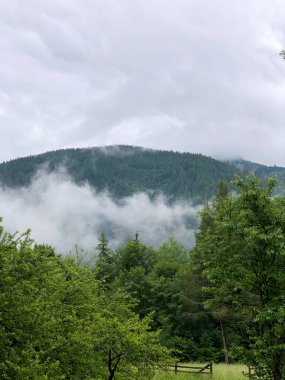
(128, 313)
(125, 170)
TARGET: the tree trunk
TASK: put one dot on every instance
(112, 370)
(277, 372)
(226, 353)
(111, 376)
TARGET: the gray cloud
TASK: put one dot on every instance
(63, 214)
(185, 75)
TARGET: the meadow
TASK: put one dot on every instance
(220, 372)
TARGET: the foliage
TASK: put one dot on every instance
(105, 260)
(161, 281)
(130, 348)
(246, 233)
(56, 322)
(113, 319)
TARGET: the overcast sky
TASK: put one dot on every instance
(199, 76)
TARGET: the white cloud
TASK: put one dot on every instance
(64, 214)
(158, 73)
(142, 130)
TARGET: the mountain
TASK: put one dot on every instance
(261, 171)
(124, 170)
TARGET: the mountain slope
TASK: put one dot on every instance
(261, 171)
(125, 170)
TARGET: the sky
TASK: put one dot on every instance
(198, 76)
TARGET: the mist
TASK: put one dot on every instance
(64, 215)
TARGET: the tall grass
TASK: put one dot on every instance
(220, 372)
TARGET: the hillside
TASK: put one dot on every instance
(261, 171)
(125, 170)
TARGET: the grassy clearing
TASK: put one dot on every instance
(220, 372)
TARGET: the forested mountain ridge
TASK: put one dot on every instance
(260, 170)
(124, 170)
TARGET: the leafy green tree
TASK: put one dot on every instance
(133, 263)
(130, 349)
(169, 271)
(221, 311)
(243, 256)
(45, 301)
(137, 284)
(56, 321)
(135, 254)
(179, 313)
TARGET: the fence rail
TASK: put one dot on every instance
(205, 370)
(250, 373)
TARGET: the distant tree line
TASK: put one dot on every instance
(125, 170)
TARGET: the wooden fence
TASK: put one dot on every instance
(206, 370)
(250, 373)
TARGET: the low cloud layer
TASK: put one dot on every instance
(63, 214)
